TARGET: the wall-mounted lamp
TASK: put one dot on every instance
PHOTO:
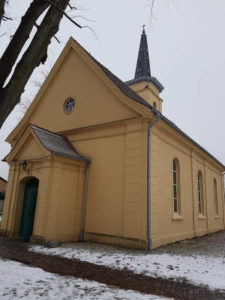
(24, 165)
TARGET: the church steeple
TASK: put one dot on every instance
(143, 70)
(144, 84)
(143, 63)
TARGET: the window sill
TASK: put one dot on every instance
(201, 217)
(177, 218)
(216, 217)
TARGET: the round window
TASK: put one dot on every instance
(69, 105)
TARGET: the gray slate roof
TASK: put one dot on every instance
(57, 144)
(143, 63)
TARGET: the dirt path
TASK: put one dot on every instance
(124, 279)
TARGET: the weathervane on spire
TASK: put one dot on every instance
(143, 28)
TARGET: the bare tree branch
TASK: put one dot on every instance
(2, 9)
(72, 7)
(55, 37)
(34, 55)
(82, 17)
(20, 37)
(152, 9)
(25, 103)
(92, 30)
(65, 14)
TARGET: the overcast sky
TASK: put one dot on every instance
(187, 53)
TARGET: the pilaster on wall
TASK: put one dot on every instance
(64, 204)
(6, 218)
(44, 177)
(199, 223)
(193, 184)
(222, 196)
(79, 205)
(206, 185)
(154, 163)
(52, 201)
(207, 222)
(135, 209)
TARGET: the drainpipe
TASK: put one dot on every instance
(223, 176)
(85, 203)
(149, 180)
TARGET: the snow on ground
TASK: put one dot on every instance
(18, 281)
(196, 269)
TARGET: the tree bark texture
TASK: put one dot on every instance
(9, 57)
(2, 9)
(34, 55)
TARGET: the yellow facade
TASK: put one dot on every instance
(110, 129)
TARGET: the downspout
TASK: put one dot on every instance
(149, 180)
(85, 203)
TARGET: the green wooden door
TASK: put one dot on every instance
(28, 212)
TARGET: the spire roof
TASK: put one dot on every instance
(143, 70)
(143, 63)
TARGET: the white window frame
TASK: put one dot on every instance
(215, 192)
(176, 186)
(200, 194)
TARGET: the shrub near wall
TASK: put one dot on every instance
(2, 197)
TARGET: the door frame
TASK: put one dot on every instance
(23, 190)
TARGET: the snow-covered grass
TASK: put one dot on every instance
(18, 281)
(196, 269)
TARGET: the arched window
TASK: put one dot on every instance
(154, 104)
(176, 187)
(215, 198)
(200, 194)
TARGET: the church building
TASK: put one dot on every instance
(94, 159)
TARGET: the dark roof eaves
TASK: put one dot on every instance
(122, 86)
(174, 126)
(153, 80)
(79, 158)
(3, 178)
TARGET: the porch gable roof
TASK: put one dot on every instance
(57, 144)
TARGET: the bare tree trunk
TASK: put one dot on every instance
(2, 9)
(9, 57)
(34, 55)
